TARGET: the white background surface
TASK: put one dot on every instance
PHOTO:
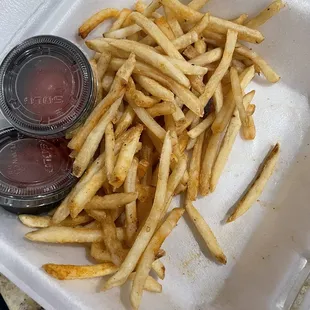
(267, 249)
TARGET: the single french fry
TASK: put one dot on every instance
(131, 222)
(241, 20)
(221, 69)
(218, 98)
(163, 108)
(159, 269)
(173, 23)
(58, 234)
(116, 91)
(36, 221)
(73, 272)
(202, 126)
(78, 201)
(125, 158)
(208, 57)
(256, 189)
(206, 233)
(273, 9)
(200, 46)
(194, 169)
(145, 263)
(103, 64)
(111, 201)
(109, 150)
(93, 140)
(154, 88)
(91, 23)
(268, 72)
(223, 117)
(208, 162)
(244, 33)
(123, 14)
(238, 97)
(123, 33)
(147, 230)
(227, 143)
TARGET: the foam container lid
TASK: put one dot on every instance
(268, 249)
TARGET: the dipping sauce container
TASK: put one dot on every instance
(46, 86)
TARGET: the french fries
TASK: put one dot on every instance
(148, 256)
(205, 232)
(257, 187)
(167, 84)
(95, 20)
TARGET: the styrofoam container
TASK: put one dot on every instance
(268, 249)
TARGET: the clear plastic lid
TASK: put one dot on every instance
(33, 172)
(46, 85)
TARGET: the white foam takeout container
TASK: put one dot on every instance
(268, 249)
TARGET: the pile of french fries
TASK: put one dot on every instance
(171, 101)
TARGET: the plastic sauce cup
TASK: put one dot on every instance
(46, 86)
(35, 173)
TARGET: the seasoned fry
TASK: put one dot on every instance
(109, 150)
(208, 57)
(125, 121)
(36, 221)
(148, 256)
(206, 233)
(266, 14)
(123, 32)
(159, 269)
(154, 88)
(258, 185)
(55, 234)
(116, 91)
(147, 120)
(208, 162)
(103, 64)
(73, 272)
(223, 117)
(93, 140)
(268, 72)
(194, 169)
(237, 95)
(244, 33)
(227, 144)
(221, 69)
(131, 222)
(95, 20)
(187, 68)
(111, 201)
(202, 126)
(147, 230)
(125, 158)
(164, 108)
